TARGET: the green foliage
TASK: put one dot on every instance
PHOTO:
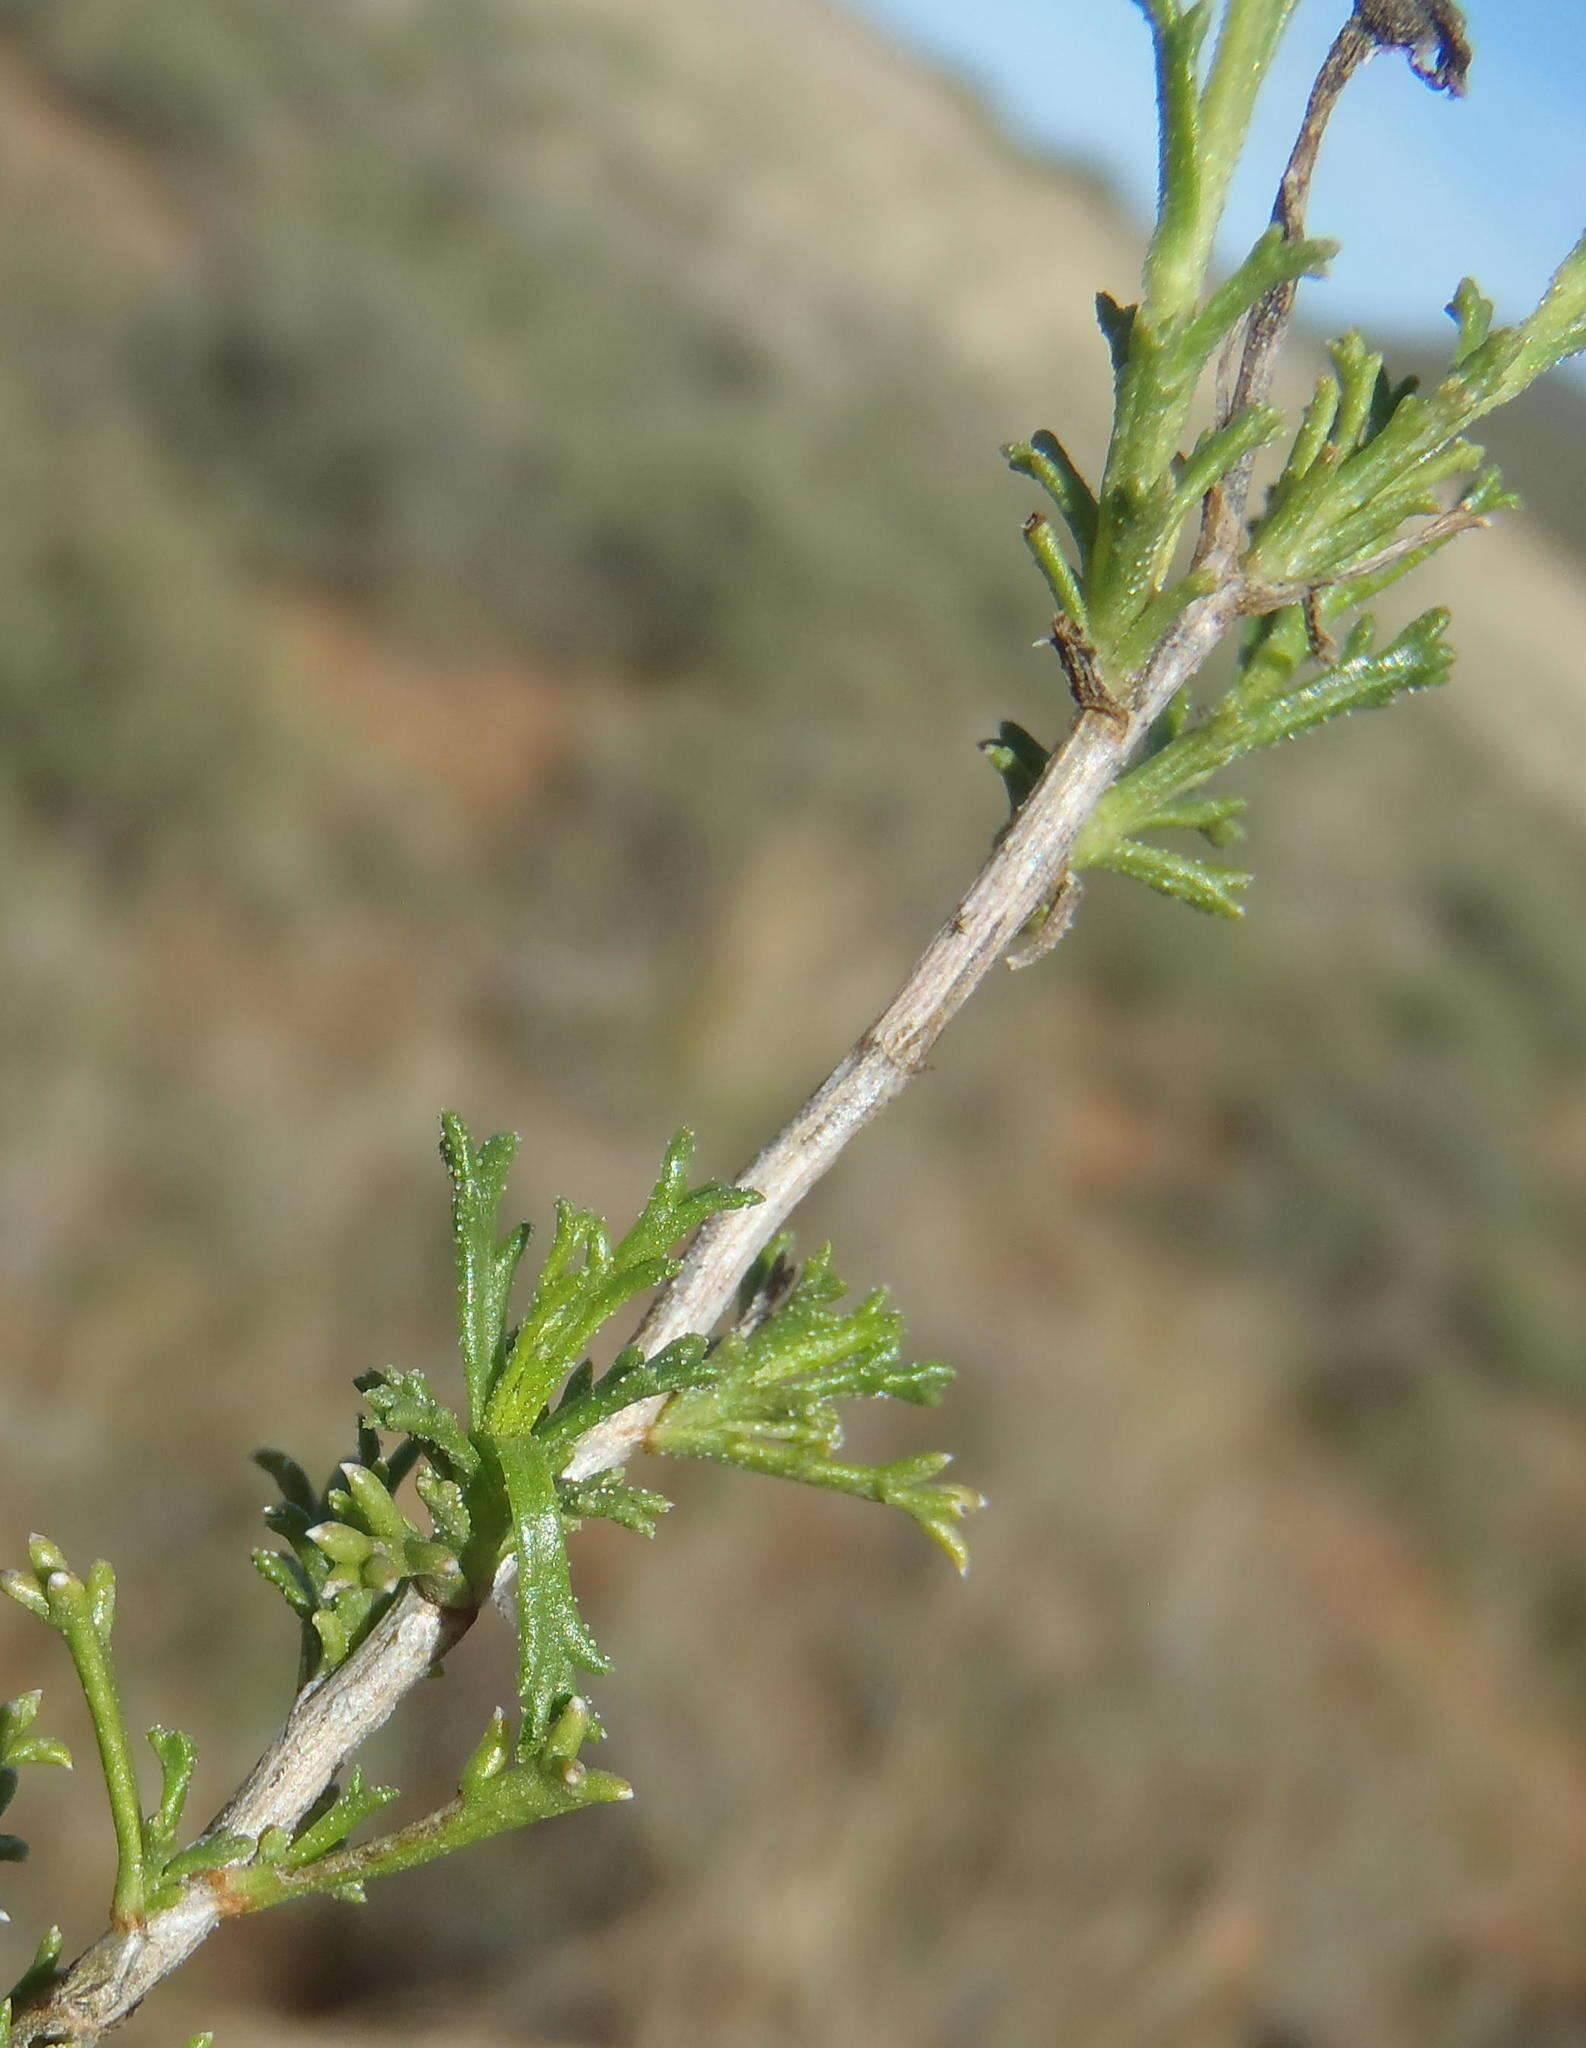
(500, 1788)
(1280, 690)
(151, 1869)
(82, 1612)
(327, 1827)
(771, 1406)
(18, 1748)
(1376, 479)
(1371, 455)
(510, 1496)
(498, 1509)
(352, 1547)
(1367, 459)
(39, 1974)
(584, 1282)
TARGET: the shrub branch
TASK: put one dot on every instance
(1376, 479)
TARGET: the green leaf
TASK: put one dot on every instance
(1264, 707)
(177, 1754)
(910, 1484)
(26, 1591)
(610, 1497)
(685, 1362)
(1275, 260)
(371, 1505)
(1213, 890)
(18, 1747)
(218, 1851)
(403, 1403)
(352, 1546)
(288, 1578)
(1019, 759)
(585, 1281)
(553, 1643)
(42, 1971)
(448, 1508)
(486, 1263)
(1045, 460)
(335, 1820)
(773, 1407)
(1218, 819)
(490, 1757)
(1061, 581)
(1472, 313)
(1219, 450)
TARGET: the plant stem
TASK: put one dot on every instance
(1257, 344)
(1251, 32)
(71, 1610)
(332, 1719)
(1020, 878)
(520, 1796)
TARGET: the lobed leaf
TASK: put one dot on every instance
(177, 1754)
(553, 1642)
(772, 1408)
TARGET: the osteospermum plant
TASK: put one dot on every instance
(1249, 551)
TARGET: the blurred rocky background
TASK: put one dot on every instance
(503, 562)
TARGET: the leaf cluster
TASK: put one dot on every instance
(490, 1477)
(1377, 478)
(19, 1746)
(771, 1405)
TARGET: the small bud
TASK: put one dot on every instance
(26, 1591)
(68, 1599)
(45, 1556)
(339, 1543)
(48, 1952)
(383, 1573)
(43, 1749)
(20, 1714)
(568, 1734)
(375, 1504)
(102, 1598)
(431, 1559)
(332, 1635)
(488, 1759)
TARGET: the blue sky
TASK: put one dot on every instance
(1419, 188)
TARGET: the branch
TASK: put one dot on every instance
(1021, 878)
(1432, 34)
(331, 1720)
(1246, 375)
